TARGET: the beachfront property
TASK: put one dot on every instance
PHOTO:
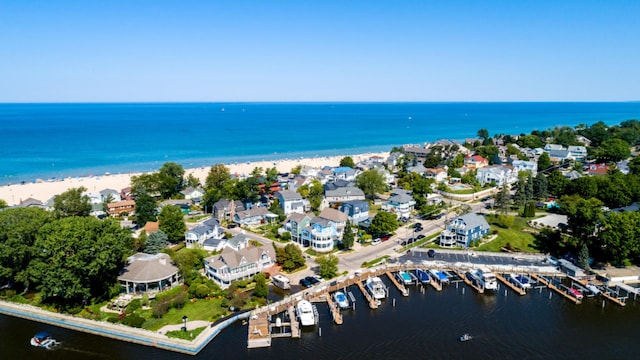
(231, 265)
(115, 195)
(292, 202)
(149, 274)
(497, 174)
(325, 230)
(254, 216)
(198, 235)
(559, 153)
(400, 203)
(464, 230)
(121, 207)
(224, 210)
(294, 224)
(356, 210)
(344, 173)
(343, 194)
(193, 194)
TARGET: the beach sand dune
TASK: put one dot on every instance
(45, 190)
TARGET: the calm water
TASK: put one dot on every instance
(419, 326)
(61, 140)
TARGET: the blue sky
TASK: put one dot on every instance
(101, 51)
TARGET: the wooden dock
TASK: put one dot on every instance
(436, 285)
(395, 282)
(550, 285)
(372, 302)
(259, 331)
(607, 295)
(335, 312)
(464, 278)
(515, 288)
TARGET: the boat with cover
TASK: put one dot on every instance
(304, 311)
(422, 276)
(575, 293)
(520, 281)
(439, 276)
(43, 340)
(404, 278)
(376, 287)
(341, 299)
(281, 281)
(466, 337)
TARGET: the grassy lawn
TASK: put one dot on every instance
(518, 239)
(374, 262)
(185, 335)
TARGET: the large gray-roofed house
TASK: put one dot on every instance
(147, 273)
(464, 229)
(208, 229)
(231, 265)
(344, 194)
(291, 201)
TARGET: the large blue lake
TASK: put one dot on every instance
(60, 140)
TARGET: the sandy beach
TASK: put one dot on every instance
(43, 191)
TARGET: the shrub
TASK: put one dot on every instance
(160, 308)
(112, 319)
(286, 236)
(133, 320)
(202, 291)
(134, 305)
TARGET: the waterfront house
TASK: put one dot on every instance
(343, 194)
(416, 150)
(208, 229)
(294, 224)
(464, 230)
(475, 162)
(356, 210)
(146, 273)
(400, 202)
(115, 195)
(120, 207)
(224, 209)
(31, 202)
(344, 173)
(253, 217)
(291, 201)
(321, 234)
(231, 265)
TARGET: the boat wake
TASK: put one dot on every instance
(89, 354)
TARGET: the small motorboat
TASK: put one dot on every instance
(341, 299)
(466, 337)
(43, 340)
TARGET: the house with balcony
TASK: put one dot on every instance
(148, 274)
(231, 265)
(439, 175)
(254, 217)
(521, 165)
(224, 209)
(321, 234)
(400, 203)
(498, 174)
(356, 210)
(464, 230)
(475, 162)
(120, 207)
(291, 201)
(343, 194)
(198, 235)
(294, 224)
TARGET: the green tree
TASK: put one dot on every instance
(583, 257)
(619, 238)
(347, 236)
(371, 182)
(544, 161)
(313, 192)
(145, 209)
(261, 289)
(189, 262)
(18, 230)
(613, 150)
(170, 178)
(296, 170)
(540, 186)
(271, 175)
(483, 134)
(105, 204)
(217, 176)
(72, 203)
(192, 181)
(384, 223)
(457, 162)
(502, 199)
(157, 241)
(171, 222)
(328, 266)
(348, 162)
(293, 258)
(557, 183)
(79, 258)
(3, 204)
(583, 216)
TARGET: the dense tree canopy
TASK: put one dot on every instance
(613, 150)
(217, 176)
(72, 203)
(171, 222)
(347, 236)
(348, 162)
(328, 266)
(384, 223)
(155, 242)
(371, 182)
(145, 209)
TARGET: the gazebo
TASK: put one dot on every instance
(146, 273)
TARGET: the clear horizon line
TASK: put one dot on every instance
(318, 102)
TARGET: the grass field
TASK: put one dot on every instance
(514, 236)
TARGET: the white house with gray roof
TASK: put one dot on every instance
(463, 230)
(400, 203)
(291, 201)
(231, 265)
(208, 229)
(498, 174)
(343, 194)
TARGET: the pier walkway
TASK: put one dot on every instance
(513, 287)
(395, 282)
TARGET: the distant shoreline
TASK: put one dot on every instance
(44, 190)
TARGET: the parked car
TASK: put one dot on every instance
(431, 253)
(421, 236)
(385, 237)
(305, 283)
(376, 241)
(312, 280)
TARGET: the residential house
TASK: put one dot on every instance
(623, 166)
(521, 165)
(193, 194)
(343, 194)
(344, 173)
(393, 160)
(400, 202)
(183, 204)
(598, 169)
(439, 175)
(238, 242)
(464, 230)
(115, 195)
(146, 273)
(337, 217)
(498, 174)
(120, 207)
(356, 210)
(291, 201)
(321, 234)
(418, 169)
(416, 150)
(578, 152)
(224, 209)
(572, 175)
(30, 202)
(475, 162)
(208, 229)
(255, 216)
(94, 197)
(231, 265)
(294, 224)
(434, 199)
(332, 185)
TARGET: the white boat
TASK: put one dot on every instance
(376, 287)
(281, 281)
(43, 340)
(304, 311)
(594, 289)
(520, 281)
(466, 337)
(341, 299)
(486, 279)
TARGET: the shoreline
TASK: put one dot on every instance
(44, 190)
